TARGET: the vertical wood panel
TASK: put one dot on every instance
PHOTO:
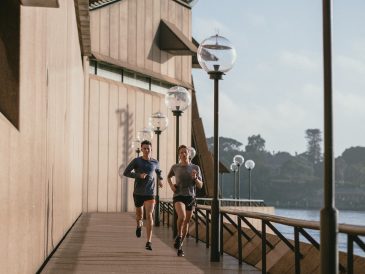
(124, 139)
(133, 127)
(170, 58)
(132, 32)
(93, 146)
(164, 55)
(148, 46)
(156, 22)
(4, 187)
(185, 69)
(123, 31)
(113, 149)
(141, 20)
(114, 31)
(178, 59)
(104, 30)
(103, 147)
(85, 175)
(95, 30)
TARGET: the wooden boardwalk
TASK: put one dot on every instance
(106, 243)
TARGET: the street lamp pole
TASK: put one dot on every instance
(177, 113)
(234, 169)
(216, 55)
(249, 165)
(177, 100)
(239, 160)
(158, 122)
(328, 223)
(215, 255)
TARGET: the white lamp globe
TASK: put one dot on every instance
(238, 160)
(177, 98)
(250, 164)
(216, 53)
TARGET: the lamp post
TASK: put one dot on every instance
(250, 165)
(216, 55)
(158, 122)
(238, 160)
(177, 99)
(136, 146)
(328, 222)
(234, 168)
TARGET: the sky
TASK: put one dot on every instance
(275, 88)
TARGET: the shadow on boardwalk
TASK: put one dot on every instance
(106, 243)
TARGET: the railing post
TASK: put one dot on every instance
(168, 214)
(239, 240)
(263, 246)
(163, 213)
(350, 254)
(196, 225)
(207, 229)
(297, 250)
(221, 233)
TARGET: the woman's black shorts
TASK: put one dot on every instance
(188, 201)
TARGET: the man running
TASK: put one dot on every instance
(142, 169)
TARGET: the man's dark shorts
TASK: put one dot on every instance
(140, 199)
(188, 201)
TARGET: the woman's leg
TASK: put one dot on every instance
(185, 225)
(181, 216)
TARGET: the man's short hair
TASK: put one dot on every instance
(181, 147)
(146, 142)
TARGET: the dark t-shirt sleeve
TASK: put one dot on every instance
(129, 170)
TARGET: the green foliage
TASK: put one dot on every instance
(282, 179)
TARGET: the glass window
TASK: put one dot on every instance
(142, 82)
(129, 78)
(109, 72)
(92, 67)
(159, 87)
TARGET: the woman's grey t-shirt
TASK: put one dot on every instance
(146, 186)
(185, 185)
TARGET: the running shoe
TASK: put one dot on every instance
(177, 243)
(180, 252)
(149, 246)
(138, 231)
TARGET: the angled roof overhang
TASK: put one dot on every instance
(40, 3)
(172, 40)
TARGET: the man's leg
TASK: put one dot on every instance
(139, 214)
(149, 206)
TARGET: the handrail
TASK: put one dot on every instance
(354, 232)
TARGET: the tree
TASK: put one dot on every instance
(255, 144)
(314, 140)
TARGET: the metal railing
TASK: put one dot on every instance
(202, 216)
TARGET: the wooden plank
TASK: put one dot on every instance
(179, 23)
(95, 30)
(104, 31)
(105, 243)
(156, 57)
(164, 55)
(92, 190)
(148, 39)
(141, 21)
(123, 31)
(171, 58)
(103, 147)
(124, 141)
(114, 31)
(132, 33)
(113, 149)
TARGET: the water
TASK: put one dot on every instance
(345, 217)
